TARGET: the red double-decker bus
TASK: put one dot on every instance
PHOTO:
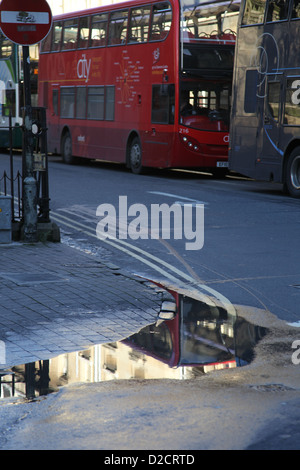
(144, 83)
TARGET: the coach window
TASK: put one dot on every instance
(254, 12)
(67, 101)
(296, 9)
(95, 103)
(118, 28)
(139, 24)
(277, 10)
(84, 32)
(56, 37)
(98, 30)
(70, 32)
(163, 104)
(161, 21)
(292, 102)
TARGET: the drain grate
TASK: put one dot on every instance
(24, 279)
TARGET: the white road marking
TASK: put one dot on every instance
(176, 196)
(140, 254)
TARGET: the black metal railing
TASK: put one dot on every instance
(12, 186)
(11, 182)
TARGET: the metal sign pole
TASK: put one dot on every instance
(29, 183)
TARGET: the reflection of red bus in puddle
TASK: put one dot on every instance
(199, 335)
(142, 83)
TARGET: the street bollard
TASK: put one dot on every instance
(5, 219)
(29, 209)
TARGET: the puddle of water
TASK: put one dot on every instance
(199, 339)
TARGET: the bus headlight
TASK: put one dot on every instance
(190, 143)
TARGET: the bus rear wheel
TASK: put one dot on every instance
(66, 148)
(292, 178)
(135, 156)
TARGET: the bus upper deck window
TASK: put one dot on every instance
(118, 28)
(84, 32)
(46, 43)
(277, 10)
(6, 47)
(254, 12)
(296, 9)
(70, 32)
(139, 24)
(98, 30)
(56, 37)
(161, 21)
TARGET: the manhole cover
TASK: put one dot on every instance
(23, 279)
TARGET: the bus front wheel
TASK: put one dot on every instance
(66, 148)
(292, 178)
(135, 156)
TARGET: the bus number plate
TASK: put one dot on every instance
(222, 164)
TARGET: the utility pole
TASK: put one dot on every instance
(29, 183)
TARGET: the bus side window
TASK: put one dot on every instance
(98, 30)
(84, 32)
(10, 102)
(67, 102)
(273, 99)
(109, 103)
(118, 28)
(296, 9)
(70, 32)
(81, 102)
(46, 43)
(139, 24)
(277, 10)
(161, 21)
(95, 103)
(254, 12)
(6, 47)
(250, 92)
(56, 37)
(292, 102)
(163, 104)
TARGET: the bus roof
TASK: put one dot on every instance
(115, 6)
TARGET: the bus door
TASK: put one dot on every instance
(271, 152)
(161, 130)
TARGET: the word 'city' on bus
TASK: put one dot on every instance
(146, 84)
(265, 120)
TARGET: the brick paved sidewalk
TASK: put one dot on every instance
(56, 299)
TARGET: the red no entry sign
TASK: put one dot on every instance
(25, 22)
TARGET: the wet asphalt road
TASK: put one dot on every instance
(251, 230)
